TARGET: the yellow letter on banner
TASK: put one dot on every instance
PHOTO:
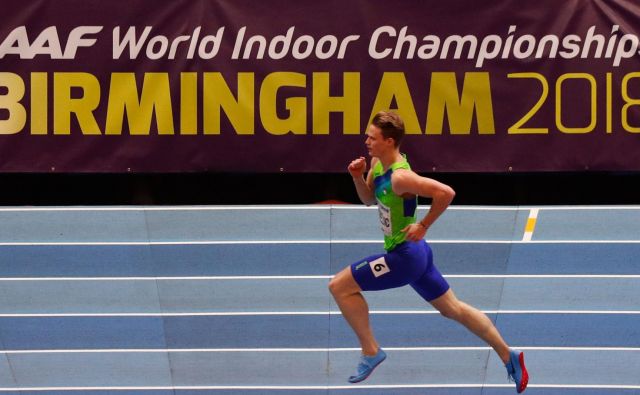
(593, 84)
(296, 106)
(83, 107)
(629, 103)
(217, 96)
(348, 105)
(189, 103)
(11, 101)
(156, 97)
(39, 109)
(517, 128)
(394, 85)
(476, 94)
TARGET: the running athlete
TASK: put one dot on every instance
(408, 259)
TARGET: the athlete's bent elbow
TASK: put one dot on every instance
(369, 203)
(445, 194)
(451, 193)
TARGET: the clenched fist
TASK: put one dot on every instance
(357, 167)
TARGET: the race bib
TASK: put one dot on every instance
(385, 218)
(379, 267)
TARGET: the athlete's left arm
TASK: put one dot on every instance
(406, 182)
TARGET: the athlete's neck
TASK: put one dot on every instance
(390, 158)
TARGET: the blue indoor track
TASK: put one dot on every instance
(234, 300)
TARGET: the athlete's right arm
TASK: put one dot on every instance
(364, 187)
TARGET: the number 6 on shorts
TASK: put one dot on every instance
(379, 267)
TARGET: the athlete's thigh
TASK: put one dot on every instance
(384, 271)
(431, 284)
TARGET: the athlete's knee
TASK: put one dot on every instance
(337, 286)
(450, 313)
(343, 284)
(334, 286)
(453, 311)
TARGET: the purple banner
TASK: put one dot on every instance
(228, 85)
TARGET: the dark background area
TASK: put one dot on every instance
(285, 188)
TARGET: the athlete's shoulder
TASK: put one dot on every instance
(403, 174)
(403, 180)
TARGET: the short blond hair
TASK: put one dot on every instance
(391, 125)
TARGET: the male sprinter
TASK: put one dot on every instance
(395, 188)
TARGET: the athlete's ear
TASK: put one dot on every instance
(390, 141)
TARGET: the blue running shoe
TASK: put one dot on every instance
(517, 371)
(366, 366)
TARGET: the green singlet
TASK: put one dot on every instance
(395, 211)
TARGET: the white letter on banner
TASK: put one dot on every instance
(76, 39)
(286, 42)
(163, 42)
(47, 43)
(215, 40)
(373, 52)
(129, 39)
(16, 43)
(621, 52)
(484, 53)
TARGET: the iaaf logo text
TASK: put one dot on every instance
(48, 42)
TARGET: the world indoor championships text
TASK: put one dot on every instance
(156, 99)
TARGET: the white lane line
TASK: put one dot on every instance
(299, 207)
(320, 277)
(305, 313)
(163, 208)
(584, 241)
(581, 208)
(238, 208)
(306, 350)
(426, 207)
(531, 224)
(168, 243)
(187, 278)
(254, 242)
(312, 387)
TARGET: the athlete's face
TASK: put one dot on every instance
(377, 145)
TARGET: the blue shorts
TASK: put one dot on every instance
(408, 263)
